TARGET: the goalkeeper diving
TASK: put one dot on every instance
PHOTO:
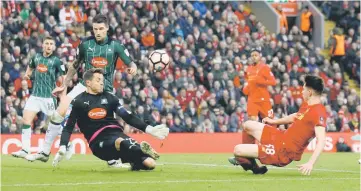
(93, 111)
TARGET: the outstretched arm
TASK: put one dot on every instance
(73, 67)
(159, 131)
(72, 71)
(131, 119)
(321, 141)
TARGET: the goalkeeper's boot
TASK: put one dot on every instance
(38, 156)
(147, 149)
(20, 154)
(116, 164)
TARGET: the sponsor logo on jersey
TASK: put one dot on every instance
(42, 68)
(97, 113)
(99, 62)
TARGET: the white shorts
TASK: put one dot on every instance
(78, 89)
(36, 104)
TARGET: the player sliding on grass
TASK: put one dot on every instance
(98, 51)
(279, 148)
(93, 111)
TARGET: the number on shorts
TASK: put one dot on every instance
(270, 149)
(270, 113)
(51, 106)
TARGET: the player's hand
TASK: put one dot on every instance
(26, 77)
(58, 90)
(59, 155)
(268, 120)
(132, 70)
(305, 169)
(159, 131)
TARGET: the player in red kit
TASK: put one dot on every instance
(259, 76)
(279, 148)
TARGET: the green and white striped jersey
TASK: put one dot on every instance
(45, 72)
(103, 55)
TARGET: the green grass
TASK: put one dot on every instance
(183, 172)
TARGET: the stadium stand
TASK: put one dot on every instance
(209, 44)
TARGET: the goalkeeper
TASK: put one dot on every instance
(93, 111)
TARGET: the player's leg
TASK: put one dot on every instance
(252, 111)
(141, 156)
(57, 117)
(254, 129)
(245, 155)
(266, 110)
(30, 111)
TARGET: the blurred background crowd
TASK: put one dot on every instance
(209, 44)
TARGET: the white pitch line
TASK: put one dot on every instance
(272, 167)
(175, 181)
(231, 166)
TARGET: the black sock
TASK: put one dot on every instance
(254, 163)
(132, 150)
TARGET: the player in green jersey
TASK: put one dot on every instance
(46, 67)
(98, 51)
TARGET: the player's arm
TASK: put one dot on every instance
(267, 77)
(282, 121)
(73, 67)
(245, 89)
(30, 69)
(321, 141)
(320, 132)
(125, 57)
(70, 124)
(65, 135)
(159, 131)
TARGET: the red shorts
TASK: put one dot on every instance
(271, 148)
(263, 108)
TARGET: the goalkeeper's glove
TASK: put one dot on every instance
(158, 131)
(64, 152)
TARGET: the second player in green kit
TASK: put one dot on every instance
(46, 68)
(103, 55)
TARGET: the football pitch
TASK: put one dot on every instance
(183, 172)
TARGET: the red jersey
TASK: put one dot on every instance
(258, 77)
(302, 130)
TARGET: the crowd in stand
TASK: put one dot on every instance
(346, 15)
(209, 44)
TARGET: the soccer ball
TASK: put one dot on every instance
(158, 60)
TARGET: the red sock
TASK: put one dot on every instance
(247, 139)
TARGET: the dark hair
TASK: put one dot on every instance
(99, 18)
(315, 83)
(88, 75)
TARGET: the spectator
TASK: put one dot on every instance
(341, 146)
(66, 15)
(306, 19)
(283, 19)
(338, 49)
